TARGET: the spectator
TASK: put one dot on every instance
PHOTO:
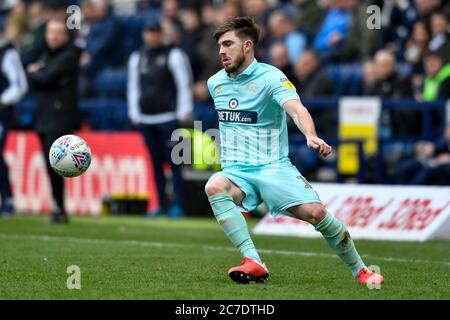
(389, 83)
(279, 58)
(232, 8)
(210, 18)
(54, 78)
(192, 35)
(431, 164)
(406, 170)
(313, 81)
(435, 86)
(34, 40)
(88, 16)
(369, 77)
(13, 86)
(437, 81)
(170, 11)
(16, 26)
(402, 122)
(426, 8)
(282, 29)
(211, 63)
(101, 49)
(398, 18)
(417, 46)
(260, 11)
(440, 36)
(361, 42)
(159, 98)
(308, 16)
(39, 12)
(171, 23)
(334, 28)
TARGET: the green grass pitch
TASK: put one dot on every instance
(136, 258)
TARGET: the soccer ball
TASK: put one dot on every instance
(70, 156)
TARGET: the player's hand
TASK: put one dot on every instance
(317, 143)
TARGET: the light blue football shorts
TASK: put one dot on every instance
(279, 185)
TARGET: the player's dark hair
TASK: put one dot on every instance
(244, 27)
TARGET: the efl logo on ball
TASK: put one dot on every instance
(70, 156)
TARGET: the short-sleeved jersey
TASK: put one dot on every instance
(252, 122)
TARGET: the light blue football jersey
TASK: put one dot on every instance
(252, 122)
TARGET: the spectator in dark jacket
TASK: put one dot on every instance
(426, 8)
(390, 84)
(279, 57)
(102, 49)
(431, 164)
(54, 79)
(362, 41)
(440, 35)
(313, 81)
(397, 23)
(417, 47)
(369, 77)
(308, 16)
(211, 18)
(192, 35)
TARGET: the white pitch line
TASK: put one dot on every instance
(155, 244)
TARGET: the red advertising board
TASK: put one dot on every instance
(120, 165)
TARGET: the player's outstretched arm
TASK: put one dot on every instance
(305, 124)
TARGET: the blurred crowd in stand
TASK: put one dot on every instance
(327, 48)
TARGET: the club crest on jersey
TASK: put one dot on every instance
(252, 88)
(233, 103)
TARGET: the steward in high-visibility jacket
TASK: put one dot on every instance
(437, 86)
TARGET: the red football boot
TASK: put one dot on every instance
(249, 270)
(365, 276)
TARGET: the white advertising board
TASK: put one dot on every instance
(378, 212)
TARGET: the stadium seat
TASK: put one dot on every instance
(106, 114)
(346, 77)
(304, 158)
(206, 113)
(131, 27)
(111, 82)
